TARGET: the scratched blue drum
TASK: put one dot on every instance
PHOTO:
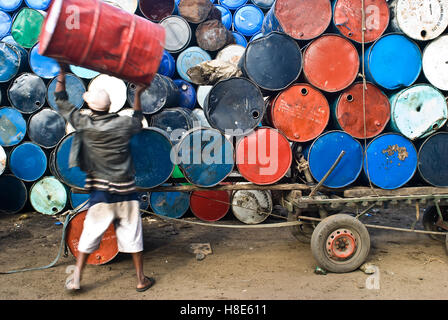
(27, 93)
(75, 89)
(390, 161)
(44, 67)
(48, 196)
(5, 24)
(73, 177)
(13, 194)
(232, 4)
(151, 155)
(187, 94)
(83, 73)
(226, 16)
(170, 204)
(393, 62)
(324, 152)
(167, 65)
(46, 128)
(28, 162)
(10, 5)
(205, 156)
(248, 20)
(13, 127)
(10, 62)
(240, 39)
(189, 58)
(38, 4)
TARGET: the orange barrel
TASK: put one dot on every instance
(108, 247)
(300, 112)
(264, 156)
(348, 111)
(302, 20)
(101, 37)
(331, 63)
(347, 18)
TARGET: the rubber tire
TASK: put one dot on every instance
(324, 230)
(429, 217)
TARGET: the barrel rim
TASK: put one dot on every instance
(190, 33)
(419, 162)
(24, 188)
(19, 3)
(35, 76)
(266, 192)
(244, 7)
(39, 150)
(179, 66)
(45, 109)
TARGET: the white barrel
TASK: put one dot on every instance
(231, 53)
(199, 114)
(69, 128)
(3, 159)
(128, 112)
(435, 62)
(252, 206)
(420, 20)
(126, 5)
(116, 88)
(201, 94)
(178, 33)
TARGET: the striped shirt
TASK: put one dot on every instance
(108, 186)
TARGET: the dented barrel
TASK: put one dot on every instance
(75, 89)
(432, 164)
(252, 206)
(28, 162)
(178, 33)
(210, 205)
(13, 127)
(189, 58)
(46, 128)
(13, 194)
(48, 196)
(212, 35)
(12, 61)
(27, 93)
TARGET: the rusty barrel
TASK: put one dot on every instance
(252, 206)
(347, 18)
(390, 161)
(432, 164)
(348, 111)
(46, 128)
(418, 111)
(156, 10)
(104, 38)
(270, 68)
(300, 112)
(48, 196)
(302, 20)
(108, 248)
(264, 156)
(419, 20)
(195, 11)
(212, 35)
(13, 194)
(210, 205)
(331, 63)
(435, 66)
(27, 93)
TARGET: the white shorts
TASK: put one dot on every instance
(128, 226)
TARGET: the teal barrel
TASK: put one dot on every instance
(48, 196)
(26, 27)
(13, 194)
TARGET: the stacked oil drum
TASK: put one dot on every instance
(299, 98)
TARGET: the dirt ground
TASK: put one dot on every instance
(262, 264)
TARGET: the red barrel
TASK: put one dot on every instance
(349, 111)
(348, 19)
(300, 112)
(108, 247)
(210, 205)
(101, 37)
(331, 63)
(264, 156)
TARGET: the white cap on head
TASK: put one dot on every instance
(97, 100)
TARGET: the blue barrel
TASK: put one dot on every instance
(44, 67)
(263, 4)
(11, 61)
(151, 151)
(77, 199)
(170, 204)
(9, 39)
(143, 199)
(28, 162)
(232, 4)
(391, 161)
(432, 164)
(75, 89)
(393, 62)
(205, 156)
(248, 20)
(48, 196)
(256, 36)
(10, 5)
(73, 177)
(23, 52)
(5, 24)
(240, 39)
(13, 127)
(323, 154)
(38, 4)
(27, 93)
(46, 128)
(226, 16)
(13, 194)
(167, 65)
(83, 72)
(187, 94)
(418, 111)
(189, 58)
(174, 121)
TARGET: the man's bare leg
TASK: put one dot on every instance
(75, 283)
(142, 280)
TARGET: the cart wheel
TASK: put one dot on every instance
(430, 219)
(340, 243)
(304, 231)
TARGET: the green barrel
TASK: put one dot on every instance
(48, 196)
(26, 27)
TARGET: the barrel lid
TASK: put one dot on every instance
(394, 61)
(126, 5)
(432, 165)
(73, 177)
(178, 33)
(153, 98)
(210, 205)
(5, 24)
(28, 162)
(263, 4)
(331, 63)
(44, 67)
(39, 4)
(435, 66)
(248, 20)
(348, 19)
(390, 161)
(75, 88)
(48, 196)
(27, 93)
(116, 88)
(26, 27)
(11, 61)
(170, 204)
(174, 121)
(240, 39)
(226, 16)
(13, 127)
(10, 5)
(3, 160)
(189, 58)
(84, 72)
(187, 94)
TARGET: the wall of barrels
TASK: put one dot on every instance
(299, 84)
